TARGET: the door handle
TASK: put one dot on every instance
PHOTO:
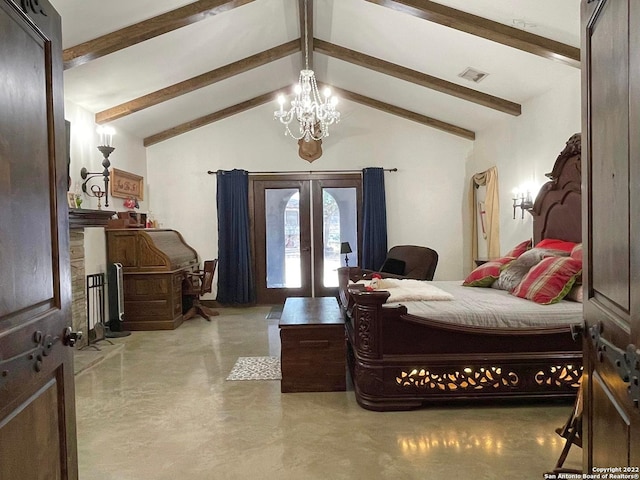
(577, 331)
(70, 338)
(626, 362)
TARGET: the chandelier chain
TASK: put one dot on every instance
(306, 37)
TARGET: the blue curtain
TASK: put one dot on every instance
(235, 274)
(374, 221)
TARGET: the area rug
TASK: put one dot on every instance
(256, 368)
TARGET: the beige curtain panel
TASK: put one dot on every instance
(488, 179)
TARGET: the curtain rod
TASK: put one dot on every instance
(298, 172)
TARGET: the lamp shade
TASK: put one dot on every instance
(345, 247)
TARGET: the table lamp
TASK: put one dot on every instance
(346, 249)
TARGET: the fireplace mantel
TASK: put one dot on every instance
(84, 217)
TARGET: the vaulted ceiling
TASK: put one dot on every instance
(159, 68)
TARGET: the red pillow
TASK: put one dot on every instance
(555, 244)
(519, 249)
(550, 280)
(577, 252)
(487, 273)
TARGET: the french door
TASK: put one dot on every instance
(299, 224)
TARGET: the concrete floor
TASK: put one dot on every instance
(158, 407)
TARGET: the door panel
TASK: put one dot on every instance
(282, 239)
(37, 416)
(611, 422)
(609, 179)
(335, 220)
(611, 176)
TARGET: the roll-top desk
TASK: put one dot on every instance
(154, 262)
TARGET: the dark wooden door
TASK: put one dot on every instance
(343, 195)
(282, 238)
(37, 415)
(611, 175)
(299, 222)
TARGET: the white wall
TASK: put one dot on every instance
(129, 155)
(425, 197)
(524, 148)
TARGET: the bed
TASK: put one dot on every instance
(402, 356)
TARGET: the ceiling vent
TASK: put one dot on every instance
(473, 75)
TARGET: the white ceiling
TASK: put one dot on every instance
(375, 30)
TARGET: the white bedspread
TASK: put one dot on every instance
(406, 290)
(488, 307)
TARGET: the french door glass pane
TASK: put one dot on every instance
(283, 237)
(339, 224)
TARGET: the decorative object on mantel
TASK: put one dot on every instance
(313, 112)
(131, 203)
(106, 148)
(127, 185)
(71, 200)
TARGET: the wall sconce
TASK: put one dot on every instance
(524, 199)
(346, 249)
(105, 147)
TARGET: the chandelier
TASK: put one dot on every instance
(314, 112)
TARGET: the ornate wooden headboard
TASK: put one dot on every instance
(557, 211)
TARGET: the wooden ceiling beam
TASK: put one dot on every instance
(212, 117)
(488, 29)
(195, 83)
(416, 77)
(145, 30)
(271, 96)
(406, 114)
(306, 34)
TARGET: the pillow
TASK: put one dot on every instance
(514, 272)
(556, 244)
(393, 265)
(575, 294)
(577, 252)
(486, 274)
(519, 249)
(550, 280)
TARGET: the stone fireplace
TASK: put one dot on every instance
(81, 222)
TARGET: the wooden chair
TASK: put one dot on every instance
(572, 433)
(195, 285)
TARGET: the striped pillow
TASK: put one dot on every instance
(487, 273)
(577, 252)
(519, 249)
(550, 280)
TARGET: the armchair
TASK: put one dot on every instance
(194, 285)
(408, 261)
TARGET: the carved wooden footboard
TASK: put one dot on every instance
(399, 361)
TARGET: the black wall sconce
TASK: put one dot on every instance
(522, 200)
(106, 148)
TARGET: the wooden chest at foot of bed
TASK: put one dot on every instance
(313, 346)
